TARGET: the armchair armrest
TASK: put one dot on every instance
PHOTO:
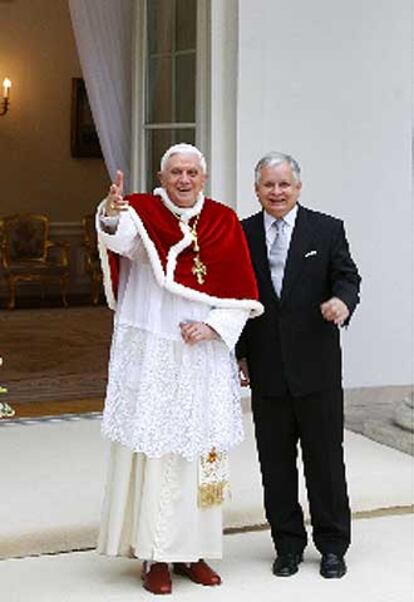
(62, 251)
(91, 257)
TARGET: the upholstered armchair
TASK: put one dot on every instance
(27, 254)
(92, 261)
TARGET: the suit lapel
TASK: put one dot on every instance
(301, 237)
(259, 252)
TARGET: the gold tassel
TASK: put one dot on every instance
(211, 494)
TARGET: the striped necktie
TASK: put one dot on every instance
(277, 254)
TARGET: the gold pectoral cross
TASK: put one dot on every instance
(199, 270)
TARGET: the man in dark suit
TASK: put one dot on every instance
(291, 357)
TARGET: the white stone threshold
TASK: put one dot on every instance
(53, 472)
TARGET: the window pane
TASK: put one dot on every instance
(185, 87)
(157, 142)
(186, 24)
(159, 100)
(160, 20)
(186, 135)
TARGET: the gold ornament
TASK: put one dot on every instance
(199, 269)
(213, 478)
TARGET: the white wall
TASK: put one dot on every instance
(222, 101)
(330, 82)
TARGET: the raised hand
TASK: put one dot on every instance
(115, 202)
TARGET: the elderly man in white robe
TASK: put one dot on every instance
(178, 274)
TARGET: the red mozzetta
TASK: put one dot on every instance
(222, 250)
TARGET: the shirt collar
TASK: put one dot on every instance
(289, 218)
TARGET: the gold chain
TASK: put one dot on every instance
(199, 269)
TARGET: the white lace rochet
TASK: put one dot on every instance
(188, 407)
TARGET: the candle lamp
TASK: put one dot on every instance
(6, 96)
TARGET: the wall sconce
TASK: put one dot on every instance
(6, 96)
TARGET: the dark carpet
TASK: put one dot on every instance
(54, 354)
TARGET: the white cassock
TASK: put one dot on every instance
(167, 403)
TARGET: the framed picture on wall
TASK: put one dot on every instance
(84, 141)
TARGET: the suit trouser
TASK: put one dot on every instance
(316, 421)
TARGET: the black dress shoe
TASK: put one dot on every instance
(332, 566)
(286, 565)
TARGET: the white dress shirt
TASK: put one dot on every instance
(289, 219)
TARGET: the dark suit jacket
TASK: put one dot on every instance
(291, 347)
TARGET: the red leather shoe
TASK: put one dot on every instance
(157, 579)
(199, 572)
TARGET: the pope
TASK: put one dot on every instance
(178, 275)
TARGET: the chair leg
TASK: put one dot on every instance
(95, 291)
(11, 283)
(63, 289)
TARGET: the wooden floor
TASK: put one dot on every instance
(56, 408)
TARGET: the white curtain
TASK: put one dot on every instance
(104, 32)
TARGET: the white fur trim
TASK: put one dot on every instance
(185, 213)
(176, 249)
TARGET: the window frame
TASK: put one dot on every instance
(140, 127)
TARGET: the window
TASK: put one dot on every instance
(170, 79)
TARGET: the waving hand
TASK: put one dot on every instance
(115, 202)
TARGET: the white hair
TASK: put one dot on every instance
(274, 158)
(183, 149)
